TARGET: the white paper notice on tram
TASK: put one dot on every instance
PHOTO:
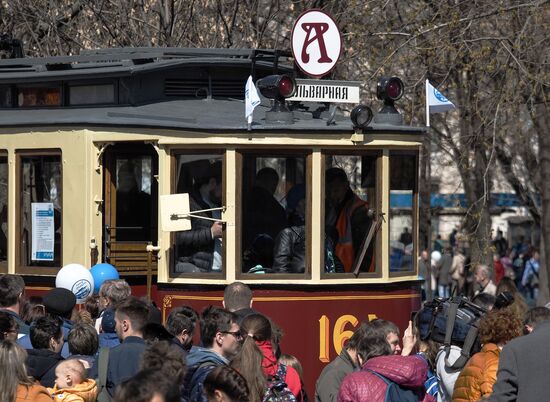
(326, 91)
(43, 231)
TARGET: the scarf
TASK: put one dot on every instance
(269, 362)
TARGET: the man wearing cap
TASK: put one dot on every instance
(107, 335)
(58, 302)
(12, 288)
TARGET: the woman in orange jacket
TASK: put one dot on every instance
(17, 385)
(478, 376)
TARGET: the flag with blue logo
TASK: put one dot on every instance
(436, 102)
(251, 99)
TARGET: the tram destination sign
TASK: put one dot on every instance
(326, 91)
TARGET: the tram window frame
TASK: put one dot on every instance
(414, 211)
(195, 150)
(378, 154)
(76, 84)
(7, 97)
(307, 154)
(38, 86)
(4, 263)
(35, 269)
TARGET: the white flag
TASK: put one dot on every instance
(251, 99)
(436, 102)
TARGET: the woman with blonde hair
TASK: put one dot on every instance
(519, 305)
(15, 384)
(257, 363)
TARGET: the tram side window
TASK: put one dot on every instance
(38, 96)
(402, 205)
(199, 250)
(350, 192)
(40, 210)
(3, 208)
(274, 214)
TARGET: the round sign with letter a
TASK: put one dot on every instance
(316, 43)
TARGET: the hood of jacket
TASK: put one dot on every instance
(409, 371)
(198, 356)
(41, 361)
(87, 390)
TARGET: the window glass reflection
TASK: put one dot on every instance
(274, 214)
(199, 250)
(350, 190)
(402, 201)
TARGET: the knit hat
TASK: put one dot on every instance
(60, 302)
(296, 193)
(108, 321)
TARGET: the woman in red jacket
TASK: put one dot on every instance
(380, 367)
(257, 362)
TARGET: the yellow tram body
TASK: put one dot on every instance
(84, 141)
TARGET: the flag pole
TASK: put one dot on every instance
(427, 105)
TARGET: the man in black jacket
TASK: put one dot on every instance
(523, 367)
(46, 336)
(290, 244)
(199, 249)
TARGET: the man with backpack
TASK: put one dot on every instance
(221, 338)
(384, 376)
(121, 362)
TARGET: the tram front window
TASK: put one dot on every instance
(199, 250)
(350, 191)
(3, 208)
(40, 210)
(402, 204)
(274, 214)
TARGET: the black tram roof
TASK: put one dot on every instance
(193, 89)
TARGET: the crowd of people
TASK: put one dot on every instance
(452, 272)
(115, 348)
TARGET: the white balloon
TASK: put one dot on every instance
(436, 256)
(77, 279)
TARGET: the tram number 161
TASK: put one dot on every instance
(339, 334)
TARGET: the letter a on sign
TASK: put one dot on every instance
(316, 43)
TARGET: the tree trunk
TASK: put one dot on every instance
(541, 122)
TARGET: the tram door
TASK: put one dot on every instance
(130, 218)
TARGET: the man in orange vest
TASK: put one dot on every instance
(348, 214)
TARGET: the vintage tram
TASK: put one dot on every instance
(98, 139)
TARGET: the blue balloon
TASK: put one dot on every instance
(103, 272)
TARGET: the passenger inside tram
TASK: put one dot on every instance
(200, 249)
(290, 244)
(263, 218)
(133, 208)
(347, 220)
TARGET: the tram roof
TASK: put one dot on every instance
(113, 62)
(213, 113)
